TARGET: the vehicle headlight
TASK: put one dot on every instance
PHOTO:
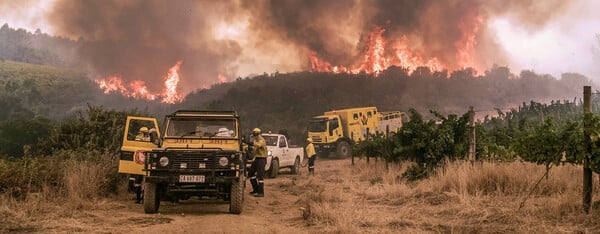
(223, 161)
(164, 161)
(270, 153)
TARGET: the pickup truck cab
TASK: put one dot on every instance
(281, 155)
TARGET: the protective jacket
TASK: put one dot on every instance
(310, 150)
(260, 147)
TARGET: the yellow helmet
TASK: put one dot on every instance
(143, 129)
(256, 130)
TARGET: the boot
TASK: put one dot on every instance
(254, 186)
(261, 190)
(138, 195)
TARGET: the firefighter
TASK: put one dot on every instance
(312, 156)
(257, 169)
(135, 185)
(143, 135)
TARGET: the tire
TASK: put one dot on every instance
(343, 150)
(151, 199)
(236, 196)
(274, 170)
(296, 166)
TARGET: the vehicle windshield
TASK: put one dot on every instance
(205, 127)
(317, 125)
(271, 140)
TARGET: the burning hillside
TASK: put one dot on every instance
(140, 40)
(138, 89)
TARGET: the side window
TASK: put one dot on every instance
(355, 116)
(140, 130)
(333, 124)
(369, 114)
(282, 142)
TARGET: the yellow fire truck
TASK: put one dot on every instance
(337, 130)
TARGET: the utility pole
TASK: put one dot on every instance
(587, 171)
(471, 135)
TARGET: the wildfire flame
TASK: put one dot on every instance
(376, 59)
(221, 79)
(170, 93)
(138, 89)
(466, 45)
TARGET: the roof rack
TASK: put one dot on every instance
(196, 112)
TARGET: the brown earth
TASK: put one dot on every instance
(341, 198)
(277, 212)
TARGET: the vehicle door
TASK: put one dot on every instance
(136, 142)
(283, 148)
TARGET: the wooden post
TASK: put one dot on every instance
(352, 138)
(366, 139)
(587, 171)
(471, 135)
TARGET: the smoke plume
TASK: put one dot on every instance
(142, 39)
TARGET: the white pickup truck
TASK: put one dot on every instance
(281, 155)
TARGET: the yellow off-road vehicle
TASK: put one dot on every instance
(199, 155)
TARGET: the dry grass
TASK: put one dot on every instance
(461, 198)
(484, 197)
(62, 187)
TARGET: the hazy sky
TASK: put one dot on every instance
(568, 43)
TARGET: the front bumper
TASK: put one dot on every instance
(210, 177)
(324, 148)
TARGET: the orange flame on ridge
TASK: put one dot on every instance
(221, 79)
(137, 88)
(466, 45)
(377, 59)
(170, 95)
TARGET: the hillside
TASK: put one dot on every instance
(287, 101)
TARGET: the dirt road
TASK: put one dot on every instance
(340, 198)
(277, 212)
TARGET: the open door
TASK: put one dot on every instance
(141, 134)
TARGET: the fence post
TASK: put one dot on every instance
(471, 135)
(587, 171)
(352, 138)
(366, 139)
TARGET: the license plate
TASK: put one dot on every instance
(191, 178)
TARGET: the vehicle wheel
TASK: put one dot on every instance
(236, 197)
(296, 166)
(343, 150)
(151, 199)
(274, 170)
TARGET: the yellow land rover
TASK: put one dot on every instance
(198, 155)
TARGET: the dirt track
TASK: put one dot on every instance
(346, 199)
(277, 212)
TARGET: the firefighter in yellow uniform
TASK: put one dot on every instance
(257, 169)
(143, 134)
(312, 156)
